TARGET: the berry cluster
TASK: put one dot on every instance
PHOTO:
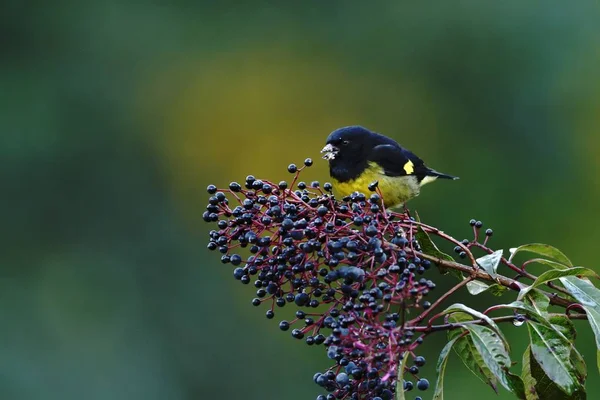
(349, 267)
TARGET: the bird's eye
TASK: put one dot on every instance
(345, 142)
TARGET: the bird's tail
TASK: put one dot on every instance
(440, 175)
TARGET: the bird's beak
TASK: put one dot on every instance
(329, 152)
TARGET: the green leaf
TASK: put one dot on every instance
(594, 321)
(484, 352)
(538, 301)
(564, 325)
(457, 307)
(560, 325)
(580, 367)
(493, 352)
(478, 287)
(400, 379)
(428, 247)
(553, 353)
(528, 379)
(534, 316)
(531, 312)
(589, 297)
(441, 369)
(543, 250)
(538, 386)
(457, 318)
(549, 263)
(466, 351)
(517, 385)
(553, 274)
(490, 262)
(583, 290)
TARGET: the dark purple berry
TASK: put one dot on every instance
(422, 384)
(284, 325)
(297, 334)
(301, 299)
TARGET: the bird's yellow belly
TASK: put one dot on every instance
(395, 190)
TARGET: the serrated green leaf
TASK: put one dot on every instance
(493, 352)
(428, 247)
(517, 385)
(441, 369)
(538, 301)
(589, 297)
(400, 378)
(562, 330)
(553, 353)
(538, 386)
(564, 325)
(458, 307)
(580, 367)
(594, 321)
(490, 262)
(478, 287)
(553, 274)
(543, 250)
(527, 376)
(583, 290)
(466, 351)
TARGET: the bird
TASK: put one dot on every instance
(359, 158)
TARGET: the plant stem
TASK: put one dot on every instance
(436, 231)
(450, 292)
(450, 326)
(484, 276)
(521, 271)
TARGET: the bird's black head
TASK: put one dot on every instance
(348, 143)
(348, 149)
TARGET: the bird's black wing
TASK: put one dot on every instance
(397, 161)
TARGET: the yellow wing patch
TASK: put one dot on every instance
(409, 167)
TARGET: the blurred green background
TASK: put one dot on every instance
(116, 115)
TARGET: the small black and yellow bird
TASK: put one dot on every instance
(358, 157)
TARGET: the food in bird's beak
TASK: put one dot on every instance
(329, 152)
